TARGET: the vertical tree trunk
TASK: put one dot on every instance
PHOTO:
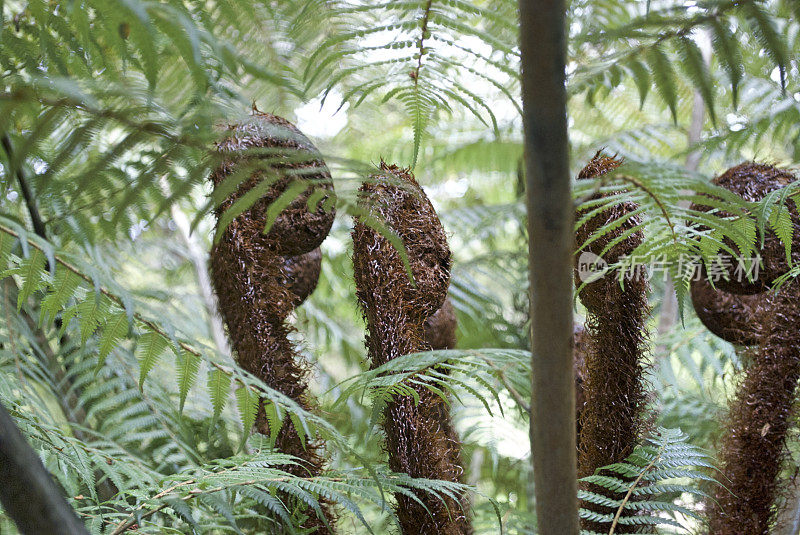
(550, 216)
(28, 494)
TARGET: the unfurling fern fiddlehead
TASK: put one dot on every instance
(613, 389)
(256, 286)
(753, 445)
(419, 436)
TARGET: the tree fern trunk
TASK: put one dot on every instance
(616, 325)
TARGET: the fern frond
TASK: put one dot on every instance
(646, 483)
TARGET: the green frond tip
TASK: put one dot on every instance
(647, 481)
(114, 330)
(31, 271)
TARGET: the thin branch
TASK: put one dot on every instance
(131, 520)
(27, 194)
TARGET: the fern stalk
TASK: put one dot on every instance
(612, 415)
(753, 446)
(420, 437)
(256, 224)
(635, 483)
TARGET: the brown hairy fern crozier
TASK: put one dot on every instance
(257, 288)
(420, 438)
(753, 444)
(753, 181)
(611, 419)
(732, 317)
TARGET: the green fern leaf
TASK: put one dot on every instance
(727, 52)
(90, 312)
(189, 366)
(664, 78)
(61, 290)
(780, 220)
(247, 402)
(695, 68)
(150, 347)
(274, 420)
(666, 456)
(769, 37)
(114, 330)
(641, 77)
(7, 242)
(219, 384)
(31, 271)
(298, 427)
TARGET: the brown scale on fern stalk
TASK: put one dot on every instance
(612, 420)
(420, 439)
(753, 444)
(256, 287)
(440, 333)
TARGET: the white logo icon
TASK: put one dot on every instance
(591, 267)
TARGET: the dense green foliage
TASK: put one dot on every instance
(108, 109)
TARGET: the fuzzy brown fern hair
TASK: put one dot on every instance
(420, 439)
(753, 444)
(611, 420)
(257, 288)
